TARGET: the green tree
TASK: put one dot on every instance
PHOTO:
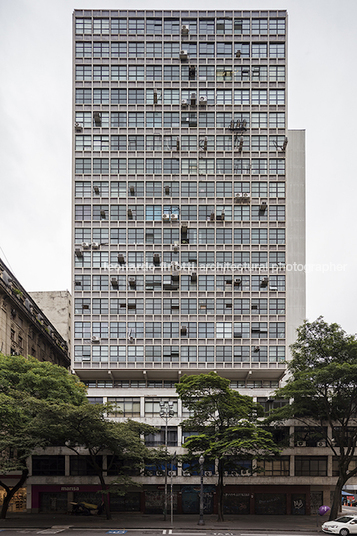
(322, 390)
(86, 430)
(226, 424)
(28, 390)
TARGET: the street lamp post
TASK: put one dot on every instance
(166, 412)
(201, 462)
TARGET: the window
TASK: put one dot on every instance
(275, 467)
(158, 438)
(100, 282)
(171, 119)
(224, 50)
(100, 96)
(153, 72)
(277, 120)
(119, 50)
(100, 306)
(83, 26)
(118, 26)
(259, 96)
(277, 166)
(118, 119)
(83, 96)
(206, 166)
(82, 330)
(277, 213)
(224, 96)
(205, 330)
(154, 26)
(82, 282)
(259, 50)
(206, 26)
(206, 354)
(259, 236)
(171, 26)
(276, 236)
(224, 26)
(276, 73)
(171, 166)
(277, 26)
(172, 96)
(206, 50)
(100, 50)
(277, 189)
(206, 282)
(241, 306)
(136, 73)
(124, 407)
(83, 50)
(84, 72)
(84, 119)
(276, 258)
(241, 26)
(207, 73)
(82, 465)
(241, 330)
(101, 26)
(171, 72)
(259, 189)
(48, 465)
(207, 119)
(277, 330)
(259, 120)
(153, 50)
(259, 73)
(259, 26)
(277, 96)
(311, 465)
(136, 26)
(241, 236)
(277, 50)
(241, 50)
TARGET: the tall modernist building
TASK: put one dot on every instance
(188, 217)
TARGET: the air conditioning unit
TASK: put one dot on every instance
(85, 245)
(208, 473)
(203, 101)
(238, 53)
(238, 198)
(194, 276)
(321, 443)
(184, 102)
(184, 29)
(132, 282)
(95, 339)
(211, 217)
(156, 258)
(166, 217)
(78, 253)
(193, 99)
(176, 247)
(121, 259)
(184, 226)
(102, 213)
(172, 473)
(263, 206)
(78, 127)
(183, 330)
(174, 217)
(131, 339)
(246, 197)
(95, 245)
(132, 190)
(183, 54)
(96, 189)
(301, 443)
(186, 473)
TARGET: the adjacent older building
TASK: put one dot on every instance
(24, 328)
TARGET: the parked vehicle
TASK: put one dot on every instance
(86, 509)
(343, 526)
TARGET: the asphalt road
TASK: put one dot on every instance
(146, 531)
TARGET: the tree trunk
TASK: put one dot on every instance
(105, 494)
(336, 503)
(220, 491)
(10, 492)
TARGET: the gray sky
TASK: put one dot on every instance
(36, 129)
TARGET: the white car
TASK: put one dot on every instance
(344, 526)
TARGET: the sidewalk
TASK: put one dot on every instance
(136, 520)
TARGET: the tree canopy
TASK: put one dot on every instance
(28, 390)
(322, 390)
(226, 425)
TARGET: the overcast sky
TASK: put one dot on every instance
(36, 129)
